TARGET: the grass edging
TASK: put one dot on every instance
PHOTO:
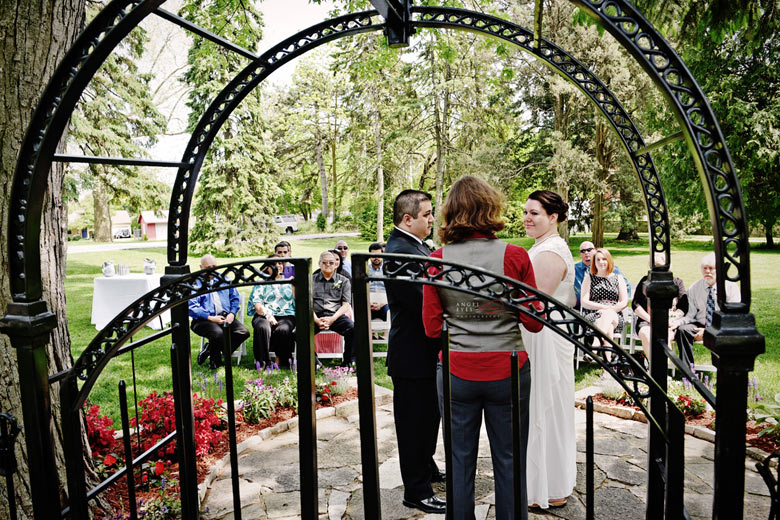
(700, 432)
(382, 396)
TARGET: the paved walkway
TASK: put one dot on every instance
(270, 482)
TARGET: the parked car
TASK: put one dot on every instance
(287, 223)
(122, 233)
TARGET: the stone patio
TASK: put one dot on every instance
(270, 484)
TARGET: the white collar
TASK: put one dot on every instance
(419, 241)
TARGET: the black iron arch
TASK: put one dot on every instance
(432, 17)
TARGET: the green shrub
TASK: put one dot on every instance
(258, 401)
(366, 219)
(321, 222)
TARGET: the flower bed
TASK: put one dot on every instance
(264, 402)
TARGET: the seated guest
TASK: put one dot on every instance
(273, 322)
(679, 305)
(702, 303)
(377, 295)
(343, 250)
(212, 314)
(284, 249)
(604, 295)
(580, 268)
(340, 267)
(332, 294)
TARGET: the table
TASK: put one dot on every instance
(111, 295)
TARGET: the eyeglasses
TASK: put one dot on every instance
(588, 250)
(328, 262)
(342, 248)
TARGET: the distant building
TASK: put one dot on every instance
(120, 224)
(153, 226)
(156, 227)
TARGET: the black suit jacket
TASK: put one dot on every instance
(410, 353)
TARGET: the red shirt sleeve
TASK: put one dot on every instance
(517, 265)
(432, 311)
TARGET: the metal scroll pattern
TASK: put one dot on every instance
(127, 323)
(45, 131)
(587, 82)
(227, 100)
(523, 298)
(703, 134)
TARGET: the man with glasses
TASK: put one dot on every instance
(332, 295)
(580, 268)
(343, 249)
(284, 250)
(702, 303)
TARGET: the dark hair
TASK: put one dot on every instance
(283, 243)
(551, 202)
(374, 246)
(472, 205)
(408, 203)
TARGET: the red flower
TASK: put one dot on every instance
(145, 477)
(109, 460)
(159, 468)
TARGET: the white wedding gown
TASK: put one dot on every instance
(551, 468)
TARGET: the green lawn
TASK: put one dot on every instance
(152, 361)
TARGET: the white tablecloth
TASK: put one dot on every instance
(112, 295)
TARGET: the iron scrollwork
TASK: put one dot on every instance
(527, 300)
(703, 135)
(51, 116)
(580, 76)
(231, 96)
(127, 323)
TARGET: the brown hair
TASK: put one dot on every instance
(551, 202)
(472, 205)
(610, 261)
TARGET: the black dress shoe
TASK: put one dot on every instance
(203, 354)
(432, 504)
(438, 476)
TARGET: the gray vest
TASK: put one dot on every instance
(478, 324)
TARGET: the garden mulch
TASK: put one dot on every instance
(116, 497)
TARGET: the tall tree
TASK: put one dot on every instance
(237, 190)
(37, 33)
(117, 118)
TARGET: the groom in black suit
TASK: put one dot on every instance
(411, 359)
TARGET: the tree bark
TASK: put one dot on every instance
(36, 35)
(603, 157)
(320, 162)
(380, 179)
(100, 199)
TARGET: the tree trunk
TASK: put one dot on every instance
(100, 198)
(769, 224)
(563, 227)
(320, 162)
(603, 158)
(380, 180)
(37, 34)
(441, 124)
(561, 125)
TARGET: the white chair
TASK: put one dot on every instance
(380, 327)
(241, 350)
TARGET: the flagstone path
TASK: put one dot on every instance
(270, 483)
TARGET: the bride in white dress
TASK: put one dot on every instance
(551, 464)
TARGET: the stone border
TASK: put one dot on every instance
(382, 396)
(623, 412)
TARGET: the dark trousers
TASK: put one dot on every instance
(416, 413)
(380, 313)
(684, 338)
(469, 400)
(280, 338)
(345, 327)
(214, 334)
